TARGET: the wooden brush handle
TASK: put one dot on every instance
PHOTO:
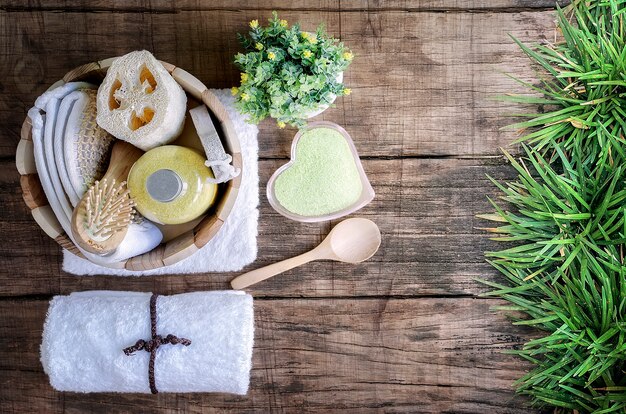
(123, 156)
(255, 276)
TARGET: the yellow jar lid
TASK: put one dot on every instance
(169, 186)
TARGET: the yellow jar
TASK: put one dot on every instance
(169, 186)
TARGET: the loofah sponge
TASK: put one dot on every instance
(140, 102)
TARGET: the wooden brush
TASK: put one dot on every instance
(101, 218)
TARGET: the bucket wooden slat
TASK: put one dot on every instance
(81, 72)
(147, 261)
(174, 250)
(26, 132)
(189, 83)
(68, 245)
(25, 157)
(206, 230)
(32, 191)
(44, 216)
(180, 248)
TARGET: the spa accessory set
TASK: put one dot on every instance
(135, 168)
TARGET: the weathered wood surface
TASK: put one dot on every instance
(165, 6)
(403, 332)
(414, 73)
(402, 355)
(424, 207)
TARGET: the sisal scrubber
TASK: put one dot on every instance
(86, 146)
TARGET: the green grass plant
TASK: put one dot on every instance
(563, 218)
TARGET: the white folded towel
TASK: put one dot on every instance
(85, 335)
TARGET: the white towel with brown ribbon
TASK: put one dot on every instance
(209, 348)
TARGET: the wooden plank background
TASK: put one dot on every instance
(403, 332)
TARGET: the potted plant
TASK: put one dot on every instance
(289, 74)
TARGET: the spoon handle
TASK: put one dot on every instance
(257, 275)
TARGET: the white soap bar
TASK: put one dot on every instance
(140, 102)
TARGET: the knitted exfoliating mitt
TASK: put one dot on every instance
(140, 102)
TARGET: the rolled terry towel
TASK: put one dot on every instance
(196, 342)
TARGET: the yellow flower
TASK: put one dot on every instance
(307, 54)
(245, 97)
(347, 91)
(254, 24)
(283, 23)
(304, 35)
(234, 90)
(312, 39)
(259, 46)
(348, 55)
(281, 124)
(244, 77)
(271, 55)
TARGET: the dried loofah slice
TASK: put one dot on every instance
(140, 102)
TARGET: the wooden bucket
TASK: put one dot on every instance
(180, 241)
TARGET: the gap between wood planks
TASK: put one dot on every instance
(46, 298)
(21, 9)
(513, 151)
(158, 7)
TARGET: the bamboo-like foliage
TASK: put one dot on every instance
(565, 215)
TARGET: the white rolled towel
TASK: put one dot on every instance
(86, 335)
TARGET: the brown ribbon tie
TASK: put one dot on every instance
(154, 343)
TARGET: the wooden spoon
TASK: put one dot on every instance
(351, 241)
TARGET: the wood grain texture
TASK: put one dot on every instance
(423, 83)
(425, 209)
(317, 356)
(32, 191)
(165, 6)
(403, 332)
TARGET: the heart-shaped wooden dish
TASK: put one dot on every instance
(180, 241)
(367, 192)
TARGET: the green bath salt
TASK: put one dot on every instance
(324, 177)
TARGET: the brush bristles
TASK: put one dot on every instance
(108, 208)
